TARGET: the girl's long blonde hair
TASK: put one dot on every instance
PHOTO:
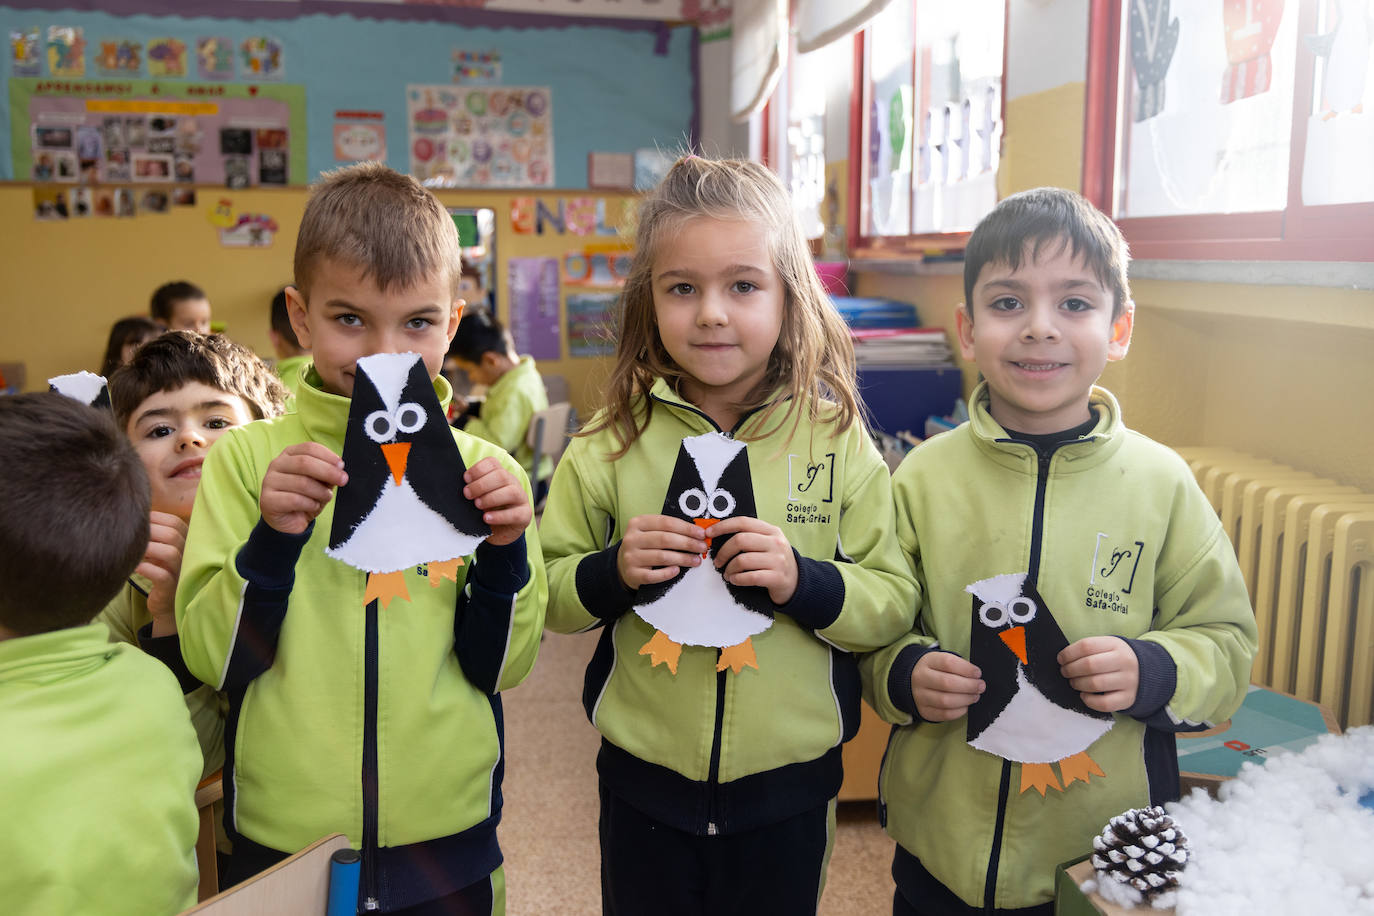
(813, 361)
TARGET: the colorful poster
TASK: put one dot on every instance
(534, 306)
(167, 57)
(119, 57)
(25, 59)
(591, 323)
(140, 130)
(359, 136)
(249, 230)
(66, 51)
(261, 58)
(215, 58)
(476, 67)
(597, 266)
(481, 137)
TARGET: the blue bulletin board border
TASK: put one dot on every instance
(618, 84)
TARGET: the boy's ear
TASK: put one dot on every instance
(295, 311)
(963, 325)
(455, 316)
(1120, 340)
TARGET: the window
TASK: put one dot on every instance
(929, 95)
(1233, 130)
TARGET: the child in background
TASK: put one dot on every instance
(485, 351)
(1047, 510)
(180, 393)
(181, 306)
(291, 356)
(98, 763)
(718, 789)
(384, 725)
(126, 336)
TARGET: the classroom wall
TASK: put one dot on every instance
(67, 282)
(1282, 371)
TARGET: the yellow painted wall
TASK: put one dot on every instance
(65, 283)
(1284, 372)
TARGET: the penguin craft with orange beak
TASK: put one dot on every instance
(403, 505)
(697, 607)
(1029, 712)
(86, 387)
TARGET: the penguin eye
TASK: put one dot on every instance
(410, 417)
(1022, 610)
(993, 614)
(692, 503)
(722, 504)
(379, 427)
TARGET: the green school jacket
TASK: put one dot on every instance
(1118, 540)
(98, 772)
(316, 678)
(510, 404)
(717, 752)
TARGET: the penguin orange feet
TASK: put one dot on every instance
(736, 657)
(662, 651)
(1038, 776)
(1079, 766)
(444, 569)
(385, 587)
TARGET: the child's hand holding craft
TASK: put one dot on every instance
(655, 547)
(503, 502)
(759, 554)
(944, 686)
(1104, 669)
(298, 484)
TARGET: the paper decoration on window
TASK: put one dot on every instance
(591, 323)
(86, 387)
(697, 607)
(359, 136)
(1153, 39)
(1029, 712)
(493, 137)
(474, 67)
(260, 58)
(25, 59)
(167, 57)
(1250, 29)
(119, 57)
(215, 58)
(66, 51)
(403, 505)
(1346, 49)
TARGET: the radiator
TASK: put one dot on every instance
(1305, 546)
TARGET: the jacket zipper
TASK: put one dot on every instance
(1042, 480)
(370, 901)
(730, 433)
(713, 775)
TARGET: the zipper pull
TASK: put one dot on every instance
(372, 904)
(711, 829)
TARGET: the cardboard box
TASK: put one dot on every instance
(1070, 901)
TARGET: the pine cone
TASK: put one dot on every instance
(1142, 848)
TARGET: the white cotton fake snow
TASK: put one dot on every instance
(1285, 837)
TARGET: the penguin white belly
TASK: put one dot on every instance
(1034, 730)
(699, 611)
(400, 532)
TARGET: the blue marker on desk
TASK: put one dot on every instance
(343, 882)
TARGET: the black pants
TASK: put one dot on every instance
(926, 896)
(649, 869)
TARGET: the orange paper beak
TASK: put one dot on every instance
(396, 454)
(705, 525)
(1015, 638)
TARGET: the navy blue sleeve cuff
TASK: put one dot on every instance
(501, 568)
(899, 679)
(268, 559)
(819, 596)
(1158, 680)
(599, 587)
(167, 649)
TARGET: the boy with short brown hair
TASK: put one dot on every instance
(1107, 611)
(384, 725)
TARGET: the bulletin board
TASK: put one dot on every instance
(339, 72)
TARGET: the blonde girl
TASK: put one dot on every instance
(720, 758)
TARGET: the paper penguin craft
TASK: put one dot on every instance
(1029, 712)
(697, 607)
(403, 505)
(86, 387)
